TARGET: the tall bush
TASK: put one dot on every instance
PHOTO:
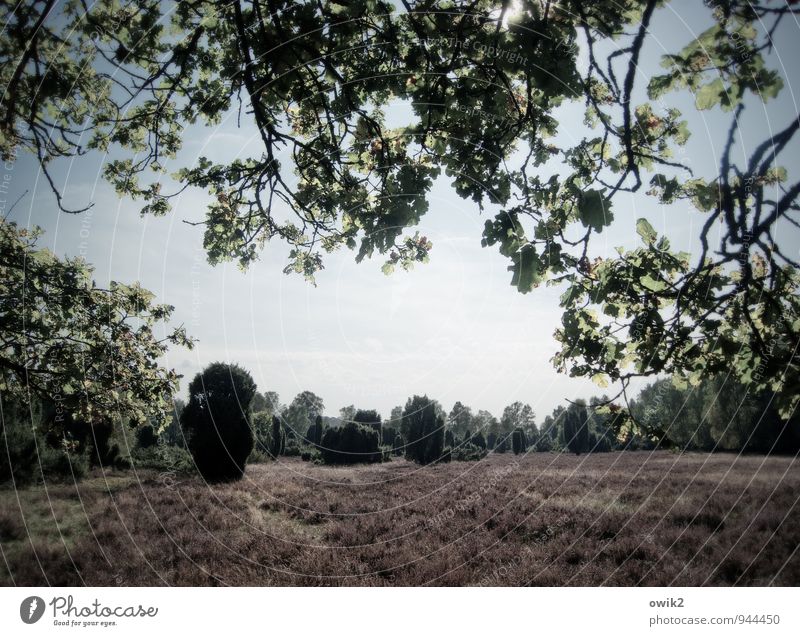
(425, 430)
(217, 421)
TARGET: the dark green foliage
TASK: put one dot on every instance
(172, 433)
(449, 440)
(351, 443)
(27, 454)
(425, 430)
(164, 458)
(217, 421)
(447, 455)
(277, 438)
(576, 429)
(718, 414)
(519, 443)
(399, 444)
(315, 431)
(388, 435)
(491, 440)
(292, 447)
(468, 453)
(501, 445)
(146, 436)
(478, 440)
(544, 444)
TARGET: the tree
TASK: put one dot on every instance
(371, 419)
(519, 442)
(272, 403)
(277, 438)
(315, 431)
(217, 420)
(425, 430)
(576, 428)
(78, 84)
(350, 444)
(519, 415)
(347, 413)
(91, 350)
(460, 419)
(302, 412)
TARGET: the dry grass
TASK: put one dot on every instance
(612, 519)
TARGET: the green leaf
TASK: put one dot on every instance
(709, 94)
(646, 231)
(594, 210)
(648, 282)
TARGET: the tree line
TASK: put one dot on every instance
(227, 423)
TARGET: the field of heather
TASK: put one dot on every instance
(634, 518)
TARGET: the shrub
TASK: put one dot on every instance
(217, 421)
(449, 440)
(478, 440)
(29, 456)
(447, 455)
(519, 443)
(164, 458)
(576, 429)
(468, 452)
(308, 455)
(398, 444)
(491, 441)
(501, 446)
(292, 448)
(277, 438)
(425, 430)
(544, 444)
(146, 436)
(350, 444)
(314, 434)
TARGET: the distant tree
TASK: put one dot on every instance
(396, 417)
(460, 418)
(519, 442)
(277, 438)
(519, 415)
(449, 438)
(302, 412)
(478, 440)
(259, 403)
(501, 445)
(370, 418)
(351, 443)
(425, 430)
(485, 421)
(347, 413)
(315, 431)
(576, 429)
(217, 420)
(273, 403)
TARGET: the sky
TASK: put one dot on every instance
(453, 328)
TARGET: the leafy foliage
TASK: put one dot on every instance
(316, 81)
(91, 350)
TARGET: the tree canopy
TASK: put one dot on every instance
(90, 350)
(482, 81)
